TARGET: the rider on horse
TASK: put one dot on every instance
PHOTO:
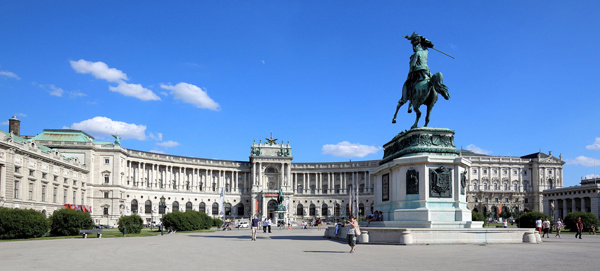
(419, 70)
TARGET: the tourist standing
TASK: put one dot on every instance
(546, 226)
(558, 225)
(538, 225)
(269, 224)
(265, 224)
(255, 223)
(319, 223)
(352, 225)
(592, 230)
(579, 227)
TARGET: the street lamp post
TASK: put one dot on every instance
(162, 222)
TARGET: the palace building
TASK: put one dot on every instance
(63, 167)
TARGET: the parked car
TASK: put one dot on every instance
(243, 224)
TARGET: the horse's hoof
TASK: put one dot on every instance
(409, 110)
(394, 121)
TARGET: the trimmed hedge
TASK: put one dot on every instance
(132, 223)
(66, 222)
(217, 222)
(588, 219)
(476, 216)
(527, 220)
(188, 221)
(22, 223)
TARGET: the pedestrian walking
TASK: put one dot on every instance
(579, 227)
(558, 225)
(352, 225)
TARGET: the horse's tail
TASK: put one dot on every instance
(437, 81)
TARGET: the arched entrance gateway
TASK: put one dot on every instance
(271, 208)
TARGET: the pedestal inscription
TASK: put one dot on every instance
(412, 181)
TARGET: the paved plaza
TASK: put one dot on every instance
(289, 250)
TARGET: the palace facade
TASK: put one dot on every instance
(63, 166)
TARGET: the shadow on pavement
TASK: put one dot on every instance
(323, 251)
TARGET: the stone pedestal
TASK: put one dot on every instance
(421, 182)
(278, 216)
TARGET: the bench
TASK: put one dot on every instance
(86, 232)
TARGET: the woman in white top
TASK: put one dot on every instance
(352, 225)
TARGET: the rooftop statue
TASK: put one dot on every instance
(420, 87)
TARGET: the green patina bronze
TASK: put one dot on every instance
(280, 206)
(420, 87)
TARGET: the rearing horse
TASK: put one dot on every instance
(424, 92)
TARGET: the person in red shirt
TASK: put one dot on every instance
(579, 227)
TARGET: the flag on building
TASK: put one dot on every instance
(500, 210)
(221, 207)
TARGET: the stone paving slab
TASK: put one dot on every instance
(295, 249)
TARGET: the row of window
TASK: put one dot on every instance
(32, 196)
(497, 200)
(485, 187)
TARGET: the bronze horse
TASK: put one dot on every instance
(424, 92)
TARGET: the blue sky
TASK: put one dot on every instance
(206, 78)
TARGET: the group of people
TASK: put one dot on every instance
(375, 216)
(544, 228)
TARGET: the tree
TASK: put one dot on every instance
(588, 219)
(67, 222)
(131, 224)
(22, 223)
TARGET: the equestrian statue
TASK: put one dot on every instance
(420, 87)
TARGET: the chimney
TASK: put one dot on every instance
(14, 126)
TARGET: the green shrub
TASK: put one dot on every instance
(527, 220)
(217, 222)
(188, 221)
(132, 223)
(66, 222)
(22, 223)
(588, 219)
(476, 216)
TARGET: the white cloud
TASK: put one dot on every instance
(4, 123)
(168, 144)
(347, 149)
(10, 74)
(21, 114)
(157, 137)
(99, 70)
(191, 94)
(105, 127)
(58, 92)
(135, 90)
(595, 145)
(157, 151)
(584, 161)
(476, 149)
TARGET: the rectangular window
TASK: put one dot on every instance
(106, 179)
(485, 171)
(56, 178)
(44, 175)
(30, 191)
(55, 195)
(74, 197)
(474, 171)
(105, 211)
(496, 200)
(82, 198)
(106, 161)
(105, 195)
(65, 197)
(31, 172)
(16, 189)
(17, 170)
(514, 172)
(43, 193)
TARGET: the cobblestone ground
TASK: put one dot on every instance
(289, 250)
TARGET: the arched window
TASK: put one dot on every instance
(148, 207)
(348, 210)
(515, 187)
(324, 210)
(300, 210)
(312, 210)
(495, 186)
(474, 186)
(202, 207)
(271, 170)
(550, 184)
(227, 209)
(337, 210)
(240, 209)
(175, 206)
(524, 187)
(361, 209)
(134, 206)
(215, 209)
(485, 186)
(188, 206)
(505, 187)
